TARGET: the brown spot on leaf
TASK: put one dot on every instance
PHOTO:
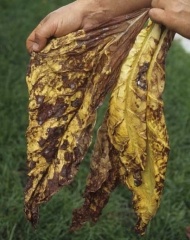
(137, 178)
(65, 118)
(66, 175)
(49, 153)
(65, 77)
(141, 80)
(28, 70)
(29, 183)
(76, 103)
(77, 153)
(39, 99)
(64, 145)
(42, 141)
(68, 156)
(47, 110)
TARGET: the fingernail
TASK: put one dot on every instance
(35, 47)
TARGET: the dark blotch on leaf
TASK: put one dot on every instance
(76, 103)
(64, 145)
(68, 156)
(49, 153)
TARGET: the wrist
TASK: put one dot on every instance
(94, 12)
(112, 8)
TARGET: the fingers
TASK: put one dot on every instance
(171, 21)
(56, 24)
(38, 38)
(158, 4)
(160, 16)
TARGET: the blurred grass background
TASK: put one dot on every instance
(18, 18)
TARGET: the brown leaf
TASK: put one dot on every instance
(102, 180)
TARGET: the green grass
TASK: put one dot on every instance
(18, 18)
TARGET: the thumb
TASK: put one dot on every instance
(162, 17)
(38, 38)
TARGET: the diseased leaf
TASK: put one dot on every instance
(102, 180)
(127, 108)
(147, 196)
(67, 82)
(110, 166)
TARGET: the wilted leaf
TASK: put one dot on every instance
(102, 180)
(110, 166)
(67, 82)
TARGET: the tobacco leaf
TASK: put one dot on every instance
(128, 103)
(67, 81)
(147, 196)
(102, 180)
(108, 168)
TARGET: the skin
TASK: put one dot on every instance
(174, 14)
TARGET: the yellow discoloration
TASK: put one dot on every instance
(147, 196)
(127, 108)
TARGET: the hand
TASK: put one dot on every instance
(77, 15)
(174, 14)
(58, 23)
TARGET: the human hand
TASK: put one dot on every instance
(57, 23)
(77, 15)
(174, 14)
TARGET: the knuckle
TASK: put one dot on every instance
(157, 3)
(47, 18)
(37, 36)
(154, 3)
